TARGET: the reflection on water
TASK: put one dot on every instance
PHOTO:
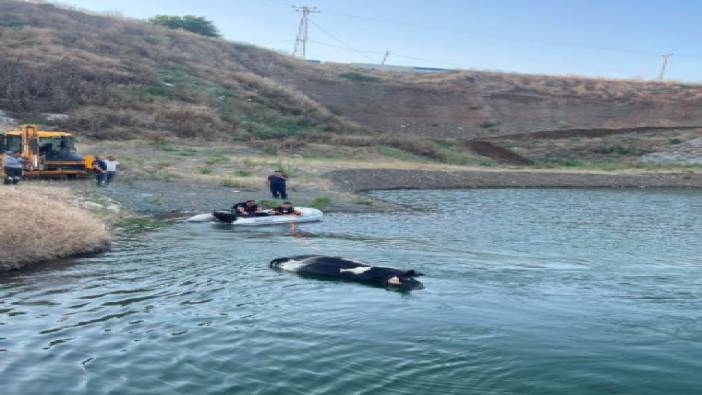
(527, 291)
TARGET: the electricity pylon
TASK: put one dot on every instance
(385, 57)
(302, 30)
(665, 57)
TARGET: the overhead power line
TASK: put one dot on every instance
(396, 55)
(501, 37)
(340, 41)
(303, 38)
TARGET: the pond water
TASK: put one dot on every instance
(527, 291)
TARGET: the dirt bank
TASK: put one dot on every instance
(41, 223)
(358, 180)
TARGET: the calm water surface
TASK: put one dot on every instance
(527, 291)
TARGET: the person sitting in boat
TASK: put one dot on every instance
(286, 209)
(249, 208)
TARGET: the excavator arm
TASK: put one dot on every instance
(30, 146)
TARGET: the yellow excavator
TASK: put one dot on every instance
(46, 153)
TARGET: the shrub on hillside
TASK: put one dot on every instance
(191, 23)
(44, 223)
(359, 77)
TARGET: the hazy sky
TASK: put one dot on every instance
(611, 38)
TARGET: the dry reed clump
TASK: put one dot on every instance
(41, 223)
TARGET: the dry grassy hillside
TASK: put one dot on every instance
(119, 78)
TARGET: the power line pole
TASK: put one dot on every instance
(665, 57)
(302, 30)
(385, 57)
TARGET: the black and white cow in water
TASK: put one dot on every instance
(320, 266)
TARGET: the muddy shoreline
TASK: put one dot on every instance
(364, 180)
(349, 188)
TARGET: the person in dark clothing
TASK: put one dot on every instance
(277, 183)
(248, 208)
(286, 209)
(13, 167)
(100, 170)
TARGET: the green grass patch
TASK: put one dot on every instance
(359, 77)
(451, 154)
(364, 200)
(187, 152)
(153, 200)
(166, 147)
(286, 168)
(204, 170)
(217, 159)
(244, 173)
(272, 128)
(165, 175)
(172, 149)
(615, 165)
(174, 74)
(265, 119)
(396, 153)
(12, 22)
(551, 163)
(230, 183)
(613, 150)
(267, 203)
(487, 124)
(321, 202)
(136, 225)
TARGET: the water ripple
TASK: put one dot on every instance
(527, 291)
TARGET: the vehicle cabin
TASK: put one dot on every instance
(46, 152)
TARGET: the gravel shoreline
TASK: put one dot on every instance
(363, 180)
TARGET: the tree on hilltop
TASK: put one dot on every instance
(191, 23)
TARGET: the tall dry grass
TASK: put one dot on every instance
(41, 223)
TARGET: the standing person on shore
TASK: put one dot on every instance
(277, 183)
(100, 170)
(111, 167)
(13, 167)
